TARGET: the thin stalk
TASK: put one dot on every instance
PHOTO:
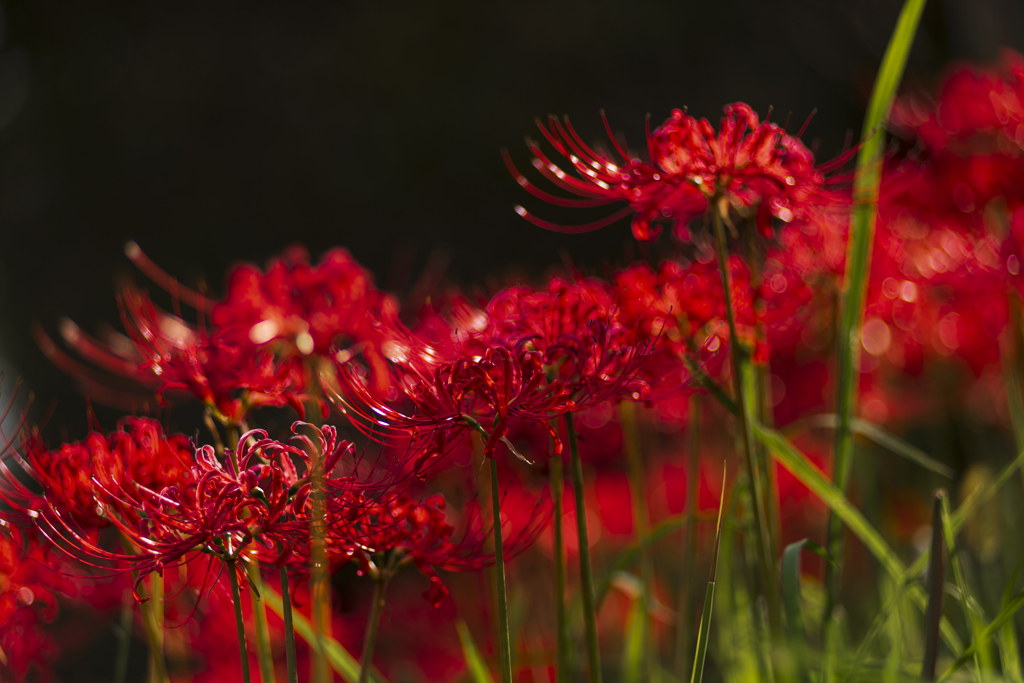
(289, 629)
(320, 588)
(380, 586)
(634, 458)
(866, 184)
(236, 598)
(709, 597)
(504, 642)
(933, 613)
(561, 622)
(971, 619)
(762, 390)
(586, 572)
(259, 610)
(747, 403)
(689, 588)
(152, 622)
(125, 637)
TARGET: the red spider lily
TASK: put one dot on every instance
(137, 451)
(489, 388)
(211, 367)
(315, 309)
(218, 508)
(756, 166)
(483, 392)
(420, 534)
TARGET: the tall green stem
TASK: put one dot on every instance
(634, 458)
(380, 586)
(688, 589)
(320, 587)
(259, 610)
(586, 572)
(561, 622)
(504, 642)
(747, 403)
(125, 638)
(236, 598)
(866, 183)
(289, 629)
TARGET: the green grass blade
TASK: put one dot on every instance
(635, 641)
(933, 613)
(709, 597)
(791, 601)
(971, 617)
(1008, 647)
(478, 672)
(338, 657)
(641, 523)
(866, 182)
(811, 477)
(885, 439)
(1005, 614)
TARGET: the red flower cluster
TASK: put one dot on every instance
(754, 166)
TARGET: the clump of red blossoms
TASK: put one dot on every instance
(753, 166)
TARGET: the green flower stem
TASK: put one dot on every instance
(688, 589)
(634, 458)
(319, 583)
(259, 610)
(586, 572)
(289, 629)
(125, 637)
(561, 622)
(152, 622)
(504, 642)
(236, 598)
(380, 586)
(747, 403)
(866, 183)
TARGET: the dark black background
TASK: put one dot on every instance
(215, 132)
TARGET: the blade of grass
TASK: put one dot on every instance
(814, 479)
(1007, 634)
(337, 656)
(688, 588)
(474, 662)
(885, 439)
(933, 613)
(634, 645)
(709, 597)
(867, 179)
(971, 618)
(1005, 614)
(791, 601)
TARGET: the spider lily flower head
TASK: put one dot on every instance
(317, 309)
(212, 367)
(400, 530)
(752, 166)
(136, 451)
(218, 508)
(480, 393)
